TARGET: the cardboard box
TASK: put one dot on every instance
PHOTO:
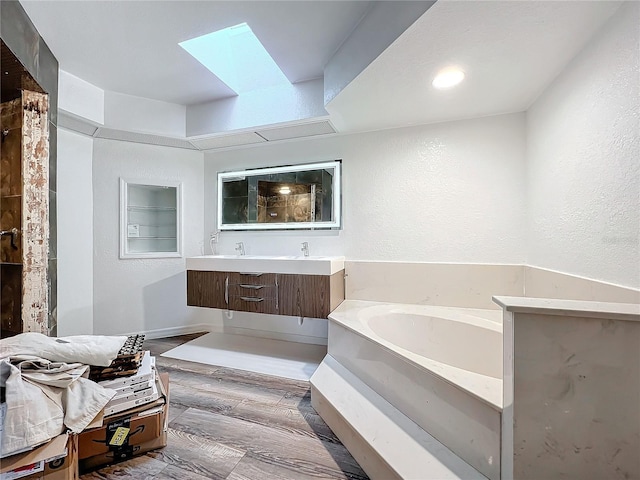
(97, 461)
(127, 434)
(55, 460)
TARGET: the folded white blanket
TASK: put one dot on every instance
(87, 349)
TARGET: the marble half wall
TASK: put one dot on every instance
(446, 284)
(471, 285)
(543, 283)
(571, 389)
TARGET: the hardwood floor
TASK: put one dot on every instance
(236, 425)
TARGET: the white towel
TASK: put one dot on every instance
(87, 349)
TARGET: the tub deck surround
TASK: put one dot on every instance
(482, 376)
(571, 389)
(459, 408)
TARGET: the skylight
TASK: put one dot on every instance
(236, 56)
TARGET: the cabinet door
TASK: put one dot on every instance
(304, 295)
(206, 289)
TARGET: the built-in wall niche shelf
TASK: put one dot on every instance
(150, 219)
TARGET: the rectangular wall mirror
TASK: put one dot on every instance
(281, 198)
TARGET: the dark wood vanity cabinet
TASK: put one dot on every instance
(313, 296)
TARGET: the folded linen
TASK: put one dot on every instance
(97, 350)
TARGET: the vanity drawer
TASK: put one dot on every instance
(251, 290)
(255, 304)
(252, 278)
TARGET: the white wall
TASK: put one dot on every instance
(451, 192)
(273, 105)
(136, 295)
(75, 234)
(80, 97)
(583, 161)
(137, 114)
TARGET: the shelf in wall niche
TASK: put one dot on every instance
(150, 219)
(149, 207)
(152, 238)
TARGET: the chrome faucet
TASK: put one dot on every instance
(240, 248)
(305, 248)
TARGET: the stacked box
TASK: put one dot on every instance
(127, 434)
(55, 460)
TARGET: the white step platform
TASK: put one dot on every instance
(292, 360)
(385, 442)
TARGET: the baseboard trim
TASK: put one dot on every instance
(250, 332)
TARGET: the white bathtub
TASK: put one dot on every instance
(439, 366)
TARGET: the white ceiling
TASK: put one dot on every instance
(510, 51)
(132, 47)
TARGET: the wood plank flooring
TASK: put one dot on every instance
(236, 425)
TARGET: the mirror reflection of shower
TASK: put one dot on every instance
(286, 202)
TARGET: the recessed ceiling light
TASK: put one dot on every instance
(285, 190)
(448, 77)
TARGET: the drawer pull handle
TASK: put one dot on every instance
(226, 290)
(252, 299)
(252, 287)
(251, 274)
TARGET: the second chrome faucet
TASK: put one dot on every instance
(305, 248)
(240, 248)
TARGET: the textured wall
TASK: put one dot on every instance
(583, 168)
(142, 294)
(451, 192)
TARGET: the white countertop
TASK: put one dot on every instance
(267, 264)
